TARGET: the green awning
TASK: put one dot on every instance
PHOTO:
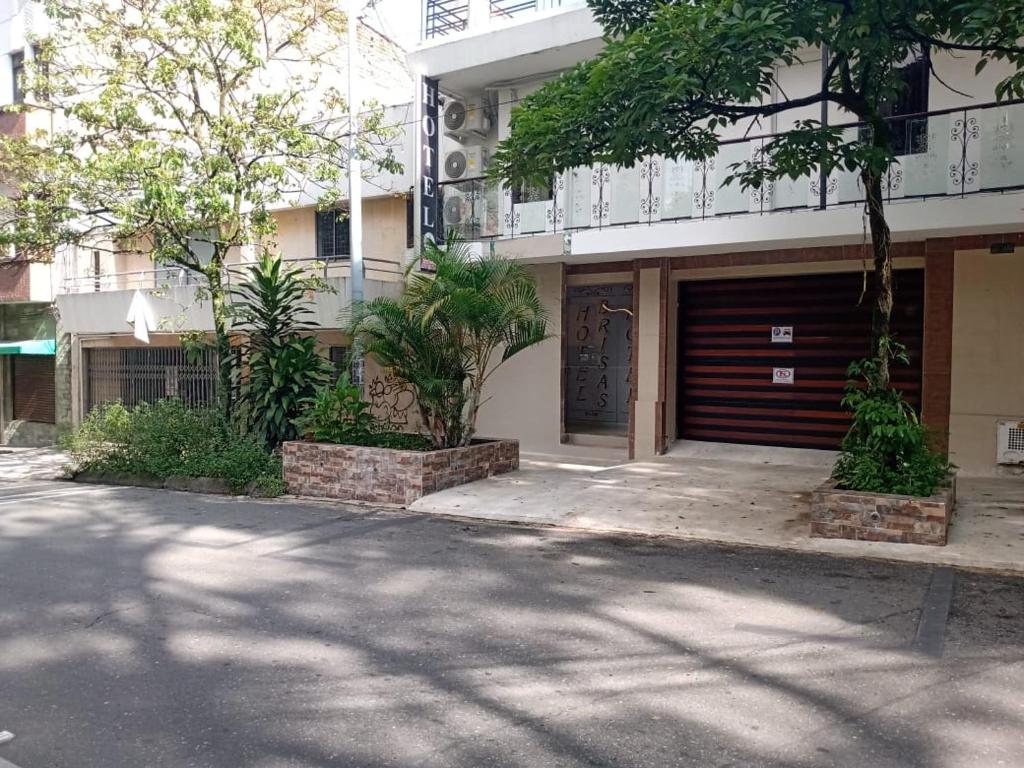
(30, 347)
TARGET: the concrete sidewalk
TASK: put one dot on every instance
(729, 494)
(20, 464)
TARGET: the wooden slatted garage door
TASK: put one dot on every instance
(727, 357)
(34, 388)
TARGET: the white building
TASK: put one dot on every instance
(685, 310)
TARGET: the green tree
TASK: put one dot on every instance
(450, 331)
(280, 365)
(178, 125)
(674, 71)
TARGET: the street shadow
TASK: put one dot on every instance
(147, 628)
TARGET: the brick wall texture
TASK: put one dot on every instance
(839, 514)
(387, 476)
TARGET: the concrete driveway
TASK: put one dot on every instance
(729, 494)
(166, 630)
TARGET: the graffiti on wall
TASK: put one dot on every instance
(391, 399)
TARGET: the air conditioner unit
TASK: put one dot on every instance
(462, 121)
(465, 212)
(1010, 442)
(466, 162)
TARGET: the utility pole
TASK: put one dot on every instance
(355, 173)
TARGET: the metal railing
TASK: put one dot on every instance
(374, 268)
(944, 153)
(141, 279)
(445, 17)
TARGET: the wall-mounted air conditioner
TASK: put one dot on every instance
(465, 212)
(463, 121)
(1010, 442)
(466, 162)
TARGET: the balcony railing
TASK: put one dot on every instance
(445, 17)
(386, 270)
(945, 153)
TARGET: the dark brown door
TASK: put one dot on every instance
(34, 390)
(598, 357)
(737, 385)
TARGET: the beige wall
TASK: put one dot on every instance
(988, 354)
(524, 399)
(384, 250)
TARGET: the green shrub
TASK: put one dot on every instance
(167, 438)
(281, 365)
(886, 449)
(338, 414)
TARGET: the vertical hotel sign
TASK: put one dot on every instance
(431, 226)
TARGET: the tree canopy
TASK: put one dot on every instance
(178, 125)
(673, 73)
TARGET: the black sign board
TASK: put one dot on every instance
(431, 226)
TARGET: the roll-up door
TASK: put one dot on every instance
(763, 361)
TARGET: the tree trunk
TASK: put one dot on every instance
(471, 412)
(881, 241)
(222, 341)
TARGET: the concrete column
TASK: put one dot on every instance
(63, 371)
(649, 347)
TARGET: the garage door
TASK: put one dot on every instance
(738, 385)
(34, 388)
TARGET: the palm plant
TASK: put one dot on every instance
(282, 366)
(450, 331)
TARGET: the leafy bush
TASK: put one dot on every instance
(339, 414)
(168, 438)
(281, 364)
(886, 449)
(450, 331)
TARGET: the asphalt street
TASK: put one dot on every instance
(149, 629)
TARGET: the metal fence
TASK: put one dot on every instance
(148, 374)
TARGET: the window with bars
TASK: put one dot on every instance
(332, 235)
(18, 76)
(339, 361)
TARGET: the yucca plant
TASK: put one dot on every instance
(450, 331)
(282, 368)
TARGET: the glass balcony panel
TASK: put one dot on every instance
(677, 199)
(792, 193)
(926, 168)
(1002, 151)
(532, 217)
(731, 198)
(577, 197)
(625, 201)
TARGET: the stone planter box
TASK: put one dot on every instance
(388, 476)
(839, 514)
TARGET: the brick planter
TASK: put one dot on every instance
(839, 514)
(388, 476)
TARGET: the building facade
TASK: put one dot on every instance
(27, 287)
(683, 309)
(68, 324)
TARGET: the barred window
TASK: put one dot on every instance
(332, 235)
